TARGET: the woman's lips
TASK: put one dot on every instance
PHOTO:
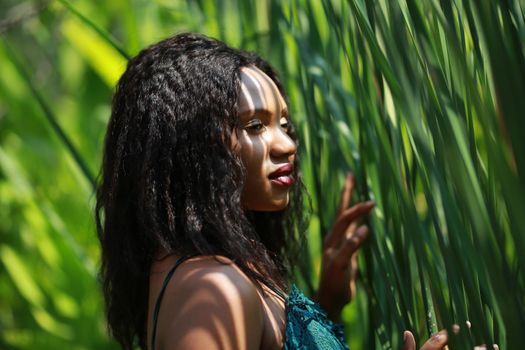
(283, 175)
(283, 180)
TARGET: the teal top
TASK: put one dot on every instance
(307, 325)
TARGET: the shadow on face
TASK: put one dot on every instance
(262, 140)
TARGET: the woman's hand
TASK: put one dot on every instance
(437, 342)
(337, 286)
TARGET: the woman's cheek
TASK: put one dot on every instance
(253, 155)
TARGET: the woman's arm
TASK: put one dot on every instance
(210, 306)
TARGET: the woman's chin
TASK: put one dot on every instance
(282, 204)
(272, 204)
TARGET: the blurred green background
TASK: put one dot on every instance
(423, 100)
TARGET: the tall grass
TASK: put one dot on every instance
(422, 100)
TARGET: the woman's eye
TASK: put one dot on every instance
(284, 123)
(255, 126)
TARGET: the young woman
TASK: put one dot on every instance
(200, 213)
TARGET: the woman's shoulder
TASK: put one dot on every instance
(210, 303)
(213, 273)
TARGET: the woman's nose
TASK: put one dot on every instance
(282, 145)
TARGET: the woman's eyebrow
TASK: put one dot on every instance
(264, 111)
(259, 110)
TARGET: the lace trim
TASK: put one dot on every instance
(308, 326)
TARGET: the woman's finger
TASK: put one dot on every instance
(346, 194)
(351, 245)
(354, 224)
(436, 342)
(409, 343)
(344, 220)
(353, 213)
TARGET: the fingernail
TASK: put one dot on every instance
(439, 337)
(404, 337)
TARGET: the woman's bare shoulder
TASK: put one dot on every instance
(211, 304)
(212, 268)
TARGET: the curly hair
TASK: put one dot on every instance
(168, 178)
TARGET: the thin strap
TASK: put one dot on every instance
(281, 294)
(161, 294)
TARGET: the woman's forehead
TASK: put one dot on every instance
(259, 93)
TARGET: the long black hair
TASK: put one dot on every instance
(170, 179)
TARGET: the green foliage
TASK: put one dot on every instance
(422, 100)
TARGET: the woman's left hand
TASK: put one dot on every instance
(337, 286)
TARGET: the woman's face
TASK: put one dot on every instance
(266, 149)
